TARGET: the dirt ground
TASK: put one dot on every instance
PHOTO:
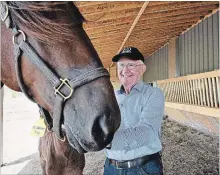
(185, 150)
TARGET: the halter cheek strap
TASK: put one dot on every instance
(63, 88)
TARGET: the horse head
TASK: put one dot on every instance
(58, 67)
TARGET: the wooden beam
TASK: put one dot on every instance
(110, 6)
(208, 15)
(133, 25)
(214, 112)
(215, 73)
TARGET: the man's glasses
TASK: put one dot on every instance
(130, 66)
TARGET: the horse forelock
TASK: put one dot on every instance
(40, 19)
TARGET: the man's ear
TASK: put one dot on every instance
(143, 68)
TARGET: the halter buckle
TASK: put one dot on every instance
(64, 82)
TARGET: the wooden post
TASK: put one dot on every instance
(1, 125)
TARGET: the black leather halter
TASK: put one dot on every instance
(63, 88)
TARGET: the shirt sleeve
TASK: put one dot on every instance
(147, 128)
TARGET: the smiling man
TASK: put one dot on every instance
(136, 145)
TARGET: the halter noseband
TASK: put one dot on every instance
(67, 86)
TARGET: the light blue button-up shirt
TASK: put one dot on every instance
(141, 118)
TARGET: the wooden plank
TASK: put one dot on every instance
(134, 24)
(214, 112)
(169, 91)
(178, 92)
(203, 92)
(175, 92)
(132, 27)
(210, 91)
(172, 94)
(215, 73)
(165, 89)
(185, 92)
(200, 92)
(218, 89)
(191, 91)
(197, 92)
(1, 125)
(206, 16)
(110, 6)
(214, 91)
(207, 92)
(181, 92)
(188, 101)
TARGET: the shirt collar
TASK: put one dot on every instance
(139, 86)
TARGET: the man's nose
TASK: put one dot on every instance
(125, 69)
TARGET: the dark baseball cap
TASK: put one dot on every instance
(130, 52)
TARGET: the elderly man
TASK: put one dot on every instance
(136, 145)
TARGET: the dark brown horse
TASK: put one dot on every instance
(49, 44)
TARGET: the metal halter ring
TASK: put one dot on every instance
(15, 35)
(6, 15)
(60, 138)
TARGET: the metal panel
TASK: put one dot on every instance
(198, 49)
(178, 63)
(210, 45)
(216, 40)
(190, 51)
(193, 52)
(201, 51)
(157, 65)
(205, 45)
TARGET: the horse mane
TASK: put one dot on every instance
(40, 19)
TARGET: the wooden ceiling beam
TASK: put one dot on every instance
(177, 5)
(103, 29)
(133, 12)
(111, 6)
(167, 25)
(133, 25)
(142, 29)
(146, 16)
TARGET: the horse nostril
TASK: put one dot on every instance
(102, 129)
(103, 125)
